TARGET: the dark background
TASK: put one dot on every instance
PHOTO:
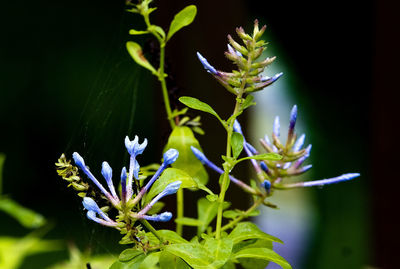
(67, 84)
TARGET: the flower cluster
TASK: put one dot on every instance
(127, 203)
(271, 173)
(248, 78)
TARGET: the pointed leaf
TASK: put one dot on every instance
(237, 144)
(132, 264)
(248, 230)
(195, 103)
(168, 176)
(263, 157)
(23, 215)
(135, 32)
(136, 53)
(129, 254)
(194, 254)
(262, 253)
(206, 211)
(167, 235)
(248, 102)
(181, 139)
(182, 19)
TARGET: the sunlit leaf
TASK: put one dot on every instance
(129, 254)
(206, 211)
(150, 262)
(194, 254)
(181, 139)
(167, 235)
(262, 253)
(182, 18)
(169, 261)
(132, 264)
(168, 176)
(23, 215)
(220, 249)
(263, 157)
(189, 221)
(135, 32)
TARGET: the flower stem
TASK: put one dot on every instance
(179, 203)
(151, 229)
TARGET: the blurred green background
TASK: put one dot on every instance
(67, 84)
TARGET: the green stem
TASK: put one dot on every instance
(232, 223)
(179, 204)
(152, 230)
(161, 78)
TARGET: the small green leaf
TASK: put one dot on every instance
(212, 197)
(150, 262)
(23, 215)
(181, 139)
(262, 253)
(237, 144)
(220, 249)
(189, 221)
(194, 254)
(195, 103)
(248, 230)
(158, 30)
(182, 18)
(231, 214)
(206, 211)
(249, 263)
(169, 261)
(254, 213)
(168, 176)
(248, 102)
(135, 32)
(263, 157)
(129, 254)
(136, 53)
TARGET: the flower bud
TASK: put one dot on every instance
(206, 65)
(170, 156)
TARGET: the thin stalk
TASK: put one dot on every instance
(179, 204)
(151, 229)
(161, 78)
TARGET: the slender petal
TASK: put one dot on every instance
(92, 216)
(206, 65)
(91, 205)
(299, 143)
(163, 217)
(123, 184)
(106, 171)
(277, 126)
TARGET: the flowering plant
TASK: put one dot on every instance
(233, 240)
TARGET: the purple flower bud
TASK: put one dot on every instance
(170, 156)
(133, 147)
(171, 188)
(344, 177)
(266, 138)
(270, 80)
(305, 168)
(277, 126)
(287, 165)
(90, 205)
(206, 65)
(92, 216)
(199, 155)
(267, 185)
(293, 117)
(106, 171)
(299, 143)
(79, 160)
(237, 128)
(163, 217)
(233, 51)
(136, 168)
(123, 183)
(264, 167)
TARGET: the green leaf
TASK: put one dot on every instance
(248, 230)
(237, 144)
(168, 235)
(195, 103)
(156, 208)
(168, 176)
(181, 139)
(136, 53)
(169, 261)
(206, 211)
(158, 30)
(132, 264)
(263, 157)
(248, 102)
(220, 249)
(249, 263)
(189, 221)
(182, 18)
(23, 215)
(135, 32)
(150, 262)
(129, 254)
(194, 254)
(262, 253)
(229, 265)
(231, 214)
